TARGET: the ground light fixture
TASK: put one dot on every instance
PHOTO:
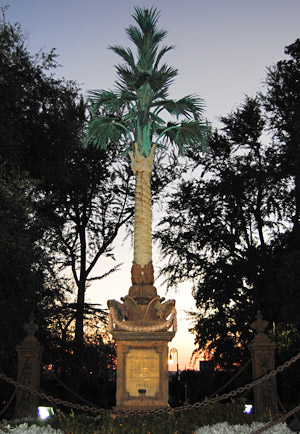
(45, 412)
(248, 408)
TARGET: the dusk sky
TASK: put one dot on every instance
(223, 48)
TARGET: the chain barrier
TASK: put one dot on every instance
(51, 398)
(52, 374)
(283, 410)
(4, 409)
(275, 422)
(8, 403)
(197, 405)
(231, 379)
(242, 389)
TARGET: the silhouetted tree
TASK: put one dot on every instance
(222, 232)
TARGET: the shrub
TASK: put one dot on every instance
(179, 422)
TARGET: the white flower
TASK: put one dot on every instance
(34, 429)
(219, 428)
(225, 428)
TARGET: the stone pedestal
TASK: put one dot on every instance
(142, 369)
(263, 361)
(142, 325)
(29, 361)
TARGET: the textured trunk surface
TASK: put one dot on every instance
(142, 220)
(142, 168)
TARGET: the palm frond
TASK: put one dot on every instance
(112, 103)
(163, 78)
(192, 133)
(185, 134)
(146, 19)
(133, 111)
(106, 99)
(127, 77)
(125, 95)
(193, 104)
(125, 53)
(161, 53)
(103, 130)
(189, 107)
(135, 35)
(146, 38)
(156, 119)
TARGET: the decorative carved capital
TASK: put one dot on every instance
(141, 274)
(139, 163)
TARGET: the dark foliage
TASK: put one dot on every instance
(233, 230)
(48, 189)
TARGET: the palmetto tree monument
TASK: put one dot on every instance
(132, 117)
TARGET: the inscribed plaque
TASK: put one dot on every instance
(142, 372)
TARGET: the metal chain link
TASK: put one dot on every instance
(231, 379)
(51, 398)
(52, 374)
(4, 409)
(197, 405)
(242, 389)
(8, 403)
(275, 422)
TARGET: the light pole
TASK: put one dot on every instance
(172, 352)
(175, 351)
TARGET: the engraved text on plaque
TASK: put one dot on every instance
(142, 371)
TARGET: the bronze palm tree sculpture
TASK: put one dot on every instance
(131, 116)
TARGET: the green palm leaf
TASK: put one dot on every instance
(104, 130)
(185, 134)
(161, 53)
(133, 112)
(125, 53)
(108, 100)
(190, 107)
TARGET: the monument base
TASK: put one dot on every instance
(142, 370)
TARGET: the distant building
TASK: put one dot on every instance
(206, 365)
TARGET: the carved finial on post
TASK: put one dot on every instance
(259, 325)
(31, 327)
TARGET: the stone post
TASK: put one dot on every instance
(29, 361)
(262, 354)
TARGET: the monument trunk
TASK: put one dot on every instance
(141, 324)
